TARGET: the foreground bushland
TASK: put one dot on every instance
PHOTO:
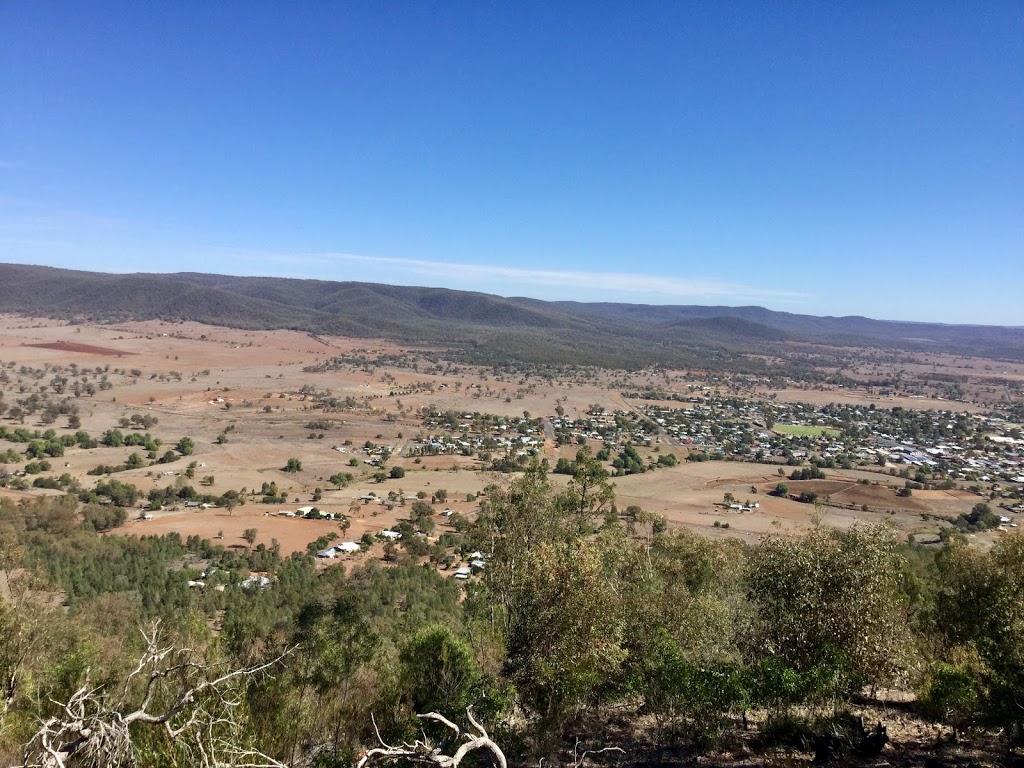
(584, 624)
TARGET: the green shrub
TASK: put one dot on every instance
(951, 694)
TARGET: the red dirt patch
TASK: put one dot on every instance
(851, 493)
(292, 534)
(71, 346)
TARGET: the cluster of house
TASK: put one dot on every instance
(462, 440)
(352, 547)
(376, 454)
(309, 513)
(345, 548)
(745, 507)
(616, 428)
(477, 562)
(961, 446)
(254, 580)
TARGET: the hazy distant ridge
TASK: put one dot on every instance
(490, 327)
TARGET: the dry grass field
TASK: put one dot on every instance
(246, 401)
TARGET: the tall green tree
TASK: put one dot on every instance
(514, 520)
(565, 643)
(831, 607)
(980, 613)
(589, 491)
(438, 671)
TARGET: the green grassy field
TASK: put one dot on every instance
(804, 430)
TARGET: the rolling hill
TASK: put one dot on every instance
(481, 326)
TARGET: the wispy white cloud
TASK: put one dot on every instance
(514, 279)
(27, 215)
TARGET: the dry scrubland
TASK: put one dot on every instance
(252, 402)
(204, 382)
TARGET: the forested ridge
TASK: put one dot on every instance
(478, 327)
(590, 627)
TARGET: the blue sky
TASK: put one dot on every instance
(825, 158)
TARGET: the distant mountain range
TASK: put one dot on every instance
(481, 327)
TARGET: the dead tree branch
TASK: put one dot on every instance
(194, 701)
(580, 758)
(423, 751)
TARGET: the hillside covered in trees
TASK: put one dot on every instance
(589, 628)
(480, 327)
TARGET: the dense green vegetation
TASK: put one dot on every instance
(980, 518)
(580, 615)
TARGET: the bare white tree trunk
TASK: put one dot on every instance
(423, 751)
(197, 713)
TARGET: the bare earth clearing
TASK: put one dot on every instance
(250, 388)
(68, 346)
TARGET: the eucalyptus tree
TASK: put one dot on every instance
(831, 607)
(980, 616)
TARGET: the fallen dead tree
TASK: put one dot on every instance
(425, 752)
(193, 701)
